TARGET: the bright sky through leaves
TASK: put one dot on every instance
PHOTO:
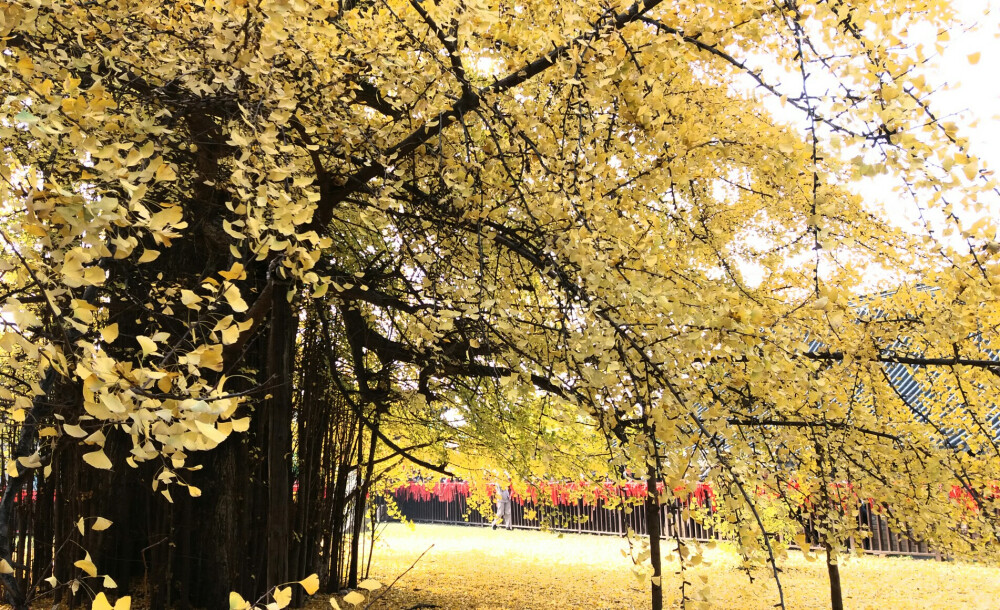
(969, 66)
(964, 75)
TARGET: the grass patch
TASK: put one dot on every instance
(477, 568)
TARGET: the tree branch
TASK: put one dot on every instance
(468, 102)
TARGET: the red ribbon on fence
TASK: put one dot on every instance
(558, 493)
(561, 493)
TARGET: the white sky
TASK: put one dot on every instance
(967, 94)
(974, 90)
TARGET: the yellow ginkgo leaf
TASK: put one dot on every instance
(802, 542)
(109, 333)
(236, 602)
(165, 173)
(236, 272)
(370, 585)
(5, 567)
(101, 602)
(310, 583)
(282, 596)
(210, 432)
(190, 298)
(231, 335)
(232, 295)
(31, 461)
(97, 459)
(74, 430)
(101, 524)
(87, 566)
(149, 256)
(169, 216)
(148, 345)
(354, 598)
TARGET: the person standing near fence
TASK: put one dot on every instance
(503, 506)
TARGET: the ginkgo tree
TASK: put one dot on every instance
(596, 201)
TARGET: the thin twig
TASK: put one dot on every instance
(386, 590)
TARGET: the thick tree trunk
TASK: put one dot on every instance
(228, 565)
(652, 505)
(230, 535)
(278, 411)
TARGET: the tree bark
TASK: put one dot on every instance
(352, 570)
(833, 570)
(280, 363)
(26, 442)
(652, 505)
(361, 504)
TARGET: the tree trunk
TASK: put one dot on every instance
(652, 505)
(222, 534)
(833, 570)
(361, 504)
(26, 442)
(338, 517)
(280, 363)
(352, 571)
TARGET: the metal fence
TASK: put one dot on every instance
(596, 518)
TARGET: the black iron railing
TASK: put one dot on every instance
(593, 517)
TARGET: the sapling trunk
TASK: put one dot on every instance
(653, 531)
(833, 570)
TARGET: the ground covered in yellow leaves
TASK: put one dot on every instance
(477, 568)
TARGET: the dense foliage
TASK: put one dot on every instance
(253, 242)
